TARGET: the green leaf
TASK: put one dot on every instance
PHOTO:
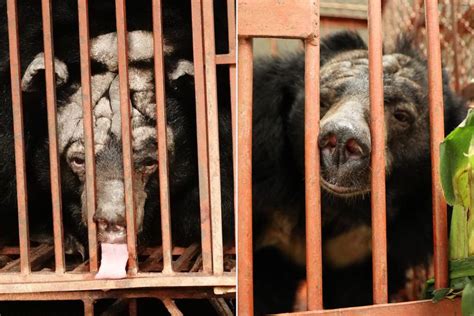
(467, 303)
(458, 236)
(461, 268)
(439, 294)
(454, 160)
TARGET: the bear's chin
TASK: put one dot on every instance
(344, 191)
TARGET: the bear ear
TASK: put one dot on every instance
(183, 67)
(33, 79)
(341, 42)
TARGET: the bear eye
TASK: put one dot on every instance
(77, 163)
(402, 116)
(150, 164)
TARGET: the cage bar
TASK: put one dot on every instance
(88, 307)
(418, 308)
(122, 45)
(201, 128)
(132, 307)
(213, 137)
(84, 44)
(19, 136)
(244, 171)
(232, 70)
(54, 164)
(161, 125)
(377, 132)
(435, 86)
(312, 174)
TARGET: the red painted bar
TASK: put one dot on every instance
(213, 137)
(126, 134)
(161, 136)
(233, 89)
(88, 130)
(244, 172)
(377, 132)
(435, 85)
(53, 136)
(312, 174)
(19, 137)
(88, 307)
(418, 308)
(201, 129)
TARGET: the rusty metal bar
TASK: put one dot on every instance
(231, 21)
(201, 127)
(88, 307)
(213, 137)
(312, 174)
(84, 43)
(122, 46)
(377, 132)
(161, 125)
(132, 307)
(418, 308)
(163, 292)
(19, 136)
(343, 22)
(232, 75)
(244, 171)
(435, 84)
(221, 307)
(171, 306)
(54, 163)
(285, 20)
(50, 282)
(225, 59)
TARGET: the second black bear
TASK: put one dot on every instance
(345, 145)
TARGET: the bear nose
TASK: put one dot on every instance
(341, 143)
(110, 231)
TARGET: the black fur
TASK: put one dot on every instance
(278, 179)
(180, 108)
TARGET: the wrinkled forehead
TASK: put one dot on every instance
(140, 48)
(356, 63)
(106, 94)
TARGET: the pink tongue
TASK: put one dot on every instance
(114, 261)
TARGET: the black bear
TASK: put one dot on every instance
(180, 108)
(345, 145)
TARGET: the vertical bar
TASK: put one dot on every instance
(126, 133)
(132, 307)
(233, 93)
(19, 137)
(244, 171)
(88, 131)
(435, 84)
(201, 128)
(456, 50)
(161, 134)
(213, 137)
(53, 136)
(312, 174)
(88, 307)
(377, 132)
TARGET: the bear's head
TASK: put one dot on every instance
(345, 138)
(105, 97)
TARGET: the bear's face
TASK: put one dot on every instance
(345, 138)
(105, 97)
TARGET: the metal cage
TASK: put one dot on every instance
(199, 271)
